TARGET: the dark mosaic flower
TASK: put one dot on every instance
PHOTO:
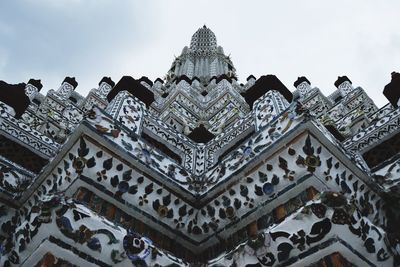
(162, 211)
(143, 200)
(101, 175)
(136, 247)
(268, 188)
(312, 161)
(123, 187)
(230, 212)
(199, 184)
(79, 164)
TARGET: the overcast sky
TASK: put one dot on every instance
(89, 39)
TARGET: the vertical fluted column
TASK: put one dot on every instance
(303, 86)
(344, 85)
(105, 86)
(32, 88)
(67, 87)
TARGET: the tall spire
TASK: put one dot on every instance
(204, 59)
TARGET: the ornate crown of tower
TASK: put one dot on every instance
(204, 59)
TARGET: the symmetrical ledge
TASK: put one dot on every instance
(68, 226)
(318, 229)
(31, 138)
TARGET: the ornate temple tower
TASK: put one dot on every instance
(204, 59)
(197, 169)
